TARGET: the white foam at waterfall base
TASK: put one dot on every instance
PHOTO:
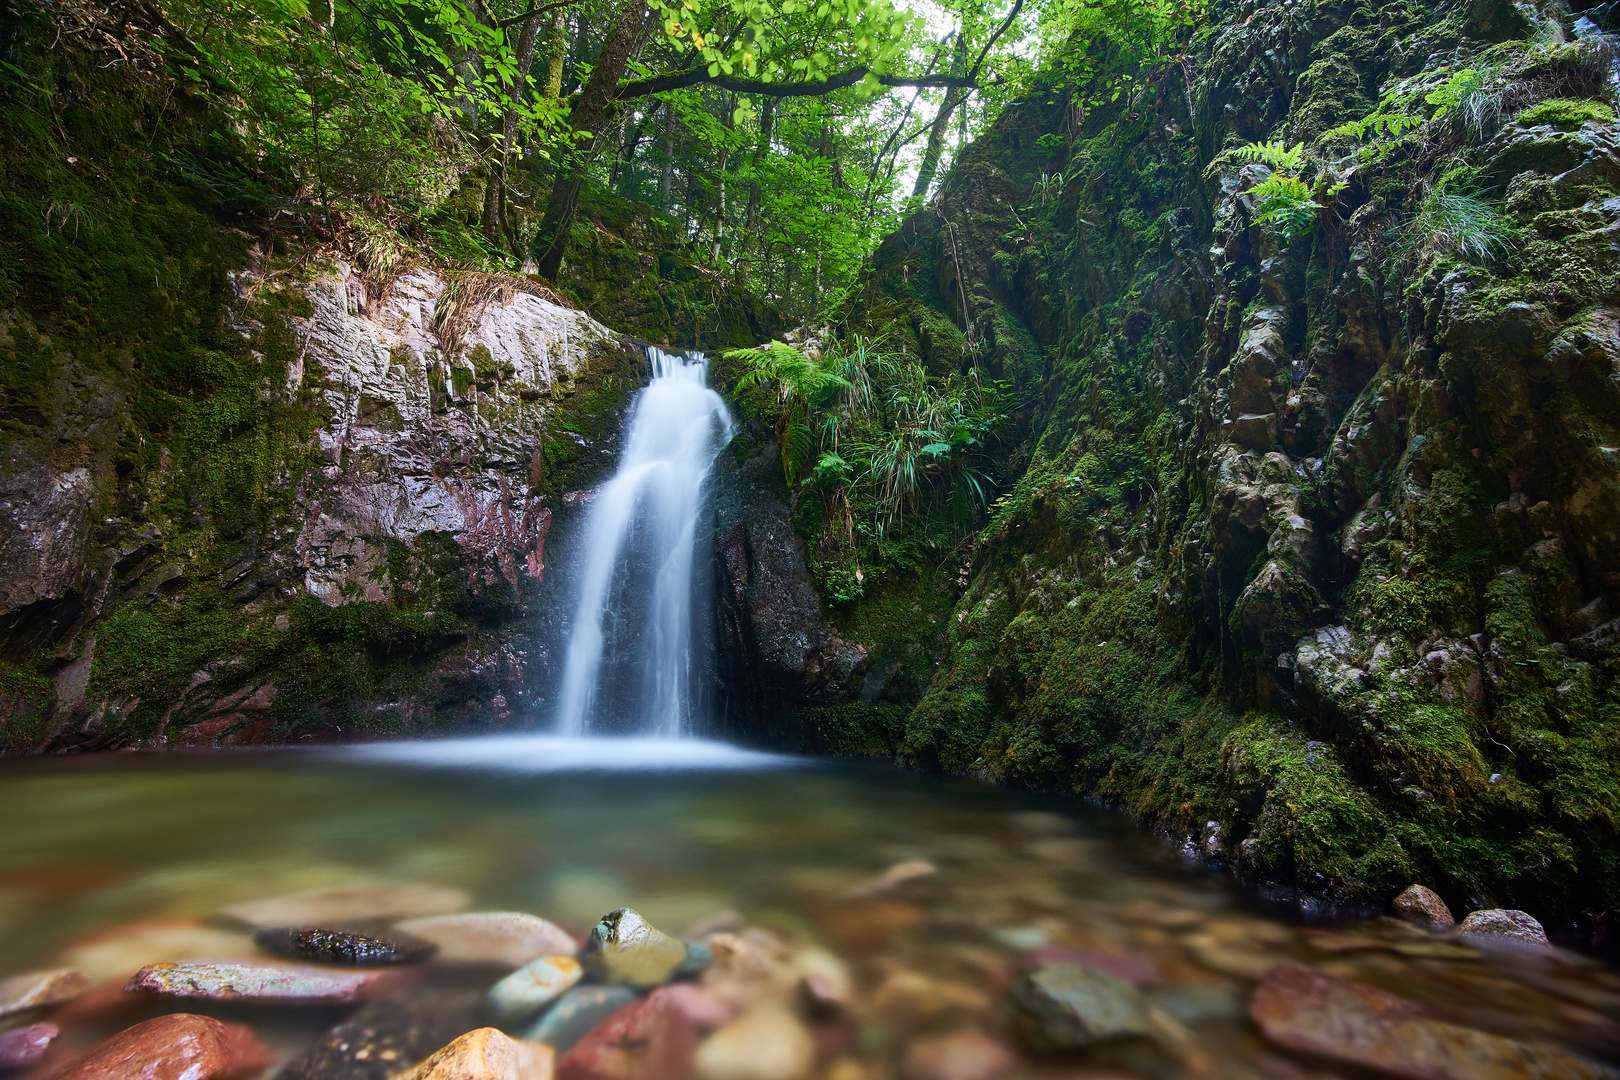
(629, 657)
(554, 753)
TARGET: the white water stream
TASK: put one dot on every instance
(629, 661)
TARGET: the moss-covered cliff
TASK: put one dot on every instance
(1306, 546)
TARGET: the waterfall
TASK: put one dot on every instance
(630, 653)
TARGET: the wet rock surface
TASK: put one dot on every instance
(175, 1047)
(500, 938)
(534, 986)
(1363, 1026)
(337, 906)
(625, 948)
(646, 1039)
(387, 1037)
(40, 988)
(577, 1012)
(1500, 923)
(1065, 1007)
(21, 1047)
(263, 983)
(485, 1054)
(1029, 950)
(1424, 907)
(344, 947)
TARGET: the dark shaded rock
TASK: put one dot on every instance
(175, 1047)
(577, 1012)
(1503, 923)
(1061, 1008)
(342, 947)
(386, 1037)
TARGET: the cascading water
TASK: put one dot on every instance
(630, 654)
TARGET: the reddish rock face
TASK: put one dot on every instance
(176, 1047)
(1360, 1025)
(650, 1040)
(24, 1046)
(263, 982)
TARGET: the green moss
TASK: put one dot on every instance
(1565, 114)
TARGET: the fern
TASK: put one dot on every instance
(1286, 203)
(1274, 154)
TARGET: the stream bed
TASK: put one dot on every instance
(891, 924)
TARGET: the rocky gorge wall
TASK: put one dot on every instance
(1305, 549)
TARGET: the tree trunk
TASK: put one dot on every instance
(591, 115)
(767, 124)
(936, 143)
(942, 121)
(557, 54)
(666, 178)
(496, 226)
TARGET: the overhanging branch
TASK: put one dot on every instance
(679, 80)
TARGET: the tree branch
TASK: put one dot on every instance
(973, 72)
(532, 12)
(679, 80)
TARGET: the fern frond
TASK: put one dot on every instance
(1274, 154)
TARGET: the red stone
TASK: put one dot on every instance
(175, 1047)
(1137, 970)
(1312, 1013)
(699, 1008)
(652, 1039)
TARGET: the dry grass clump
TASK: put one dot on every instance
(470, 292)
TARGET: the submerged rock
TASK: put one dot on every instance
(385, 1037)
(1500, 923)
(1312, 1013)
(22, 1047)
(766, 1044)
(40, 988)
(120, 951)
(1425, 908)
(908, 1000)
(500, 938)
(625, 948)
(1063, 1007)
(969, 1054)
(175, 1047)
(262, 982)
(534, 986)
(327, 907)
(577, 1012)
(485, 1054)
(343, 947)
(646, 1040)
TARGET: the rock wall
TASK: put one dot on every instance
(390, 575)
(1305, 549)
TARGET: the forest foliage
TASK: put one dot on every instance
(780, 138)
